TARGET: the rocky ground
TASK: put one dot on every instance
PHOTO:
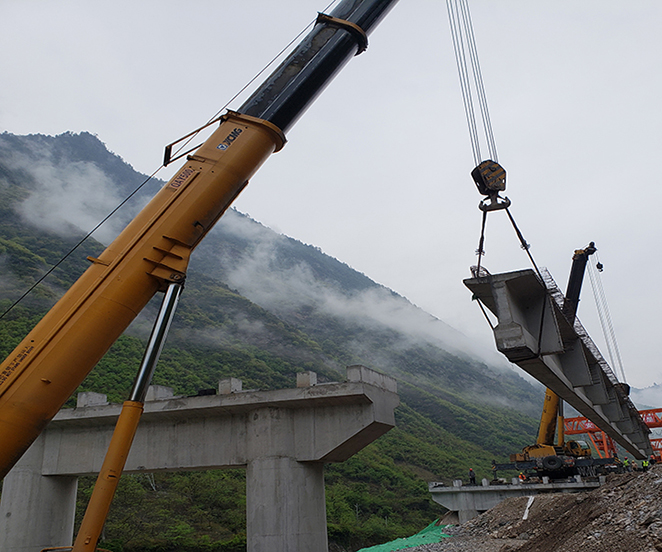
(623, 515)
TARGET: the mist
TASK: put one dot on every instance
(648, 397)
(260, 276)
(69, 197)
(65, 196)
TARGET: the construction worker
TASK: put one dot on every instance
(472, 477)
(522, 477)
(626, 464)
(644, 465)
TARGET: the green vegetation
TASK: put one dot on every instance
(445, 424)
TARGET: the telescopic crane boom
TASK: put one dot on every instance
(153, 250)
(551, 453)
(551, 420)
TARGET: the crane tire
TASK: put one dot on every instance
(552, 463)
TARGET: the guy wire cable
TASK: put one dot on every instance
(149, 178)
(605, 321)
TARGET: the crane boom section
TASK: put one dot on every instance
(551, 419)
(48, 365)
(548, 419)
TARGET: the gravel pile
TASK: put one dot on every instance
(623, 515)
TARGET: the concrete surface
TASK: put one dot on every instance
(471, 501)
(283, 438)
(533, 333)
(36, 511)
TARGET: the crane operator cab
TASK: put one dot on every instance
(579, 449)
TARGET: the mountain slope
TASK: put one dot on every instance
(260, 307)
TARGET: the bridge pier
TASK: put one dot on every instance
(283, 438)
(470, 502)
(34, 509)
(296, 490)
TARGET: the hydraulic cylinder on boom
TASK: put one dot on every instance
(154, 249)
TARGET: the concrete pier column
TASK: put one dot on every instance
(285, 507)
(35, 511)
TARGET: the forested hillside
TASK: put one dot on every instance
(260, 307)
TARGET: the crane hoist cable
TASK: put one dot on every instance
(489, 175)
(464, 46)
(605, 318)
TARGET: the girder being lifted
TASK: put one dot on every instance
(533, 333)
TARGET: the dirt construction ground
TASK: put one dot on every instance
(623, 515)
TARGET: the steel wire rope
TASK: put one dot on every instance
(603, 323)
(257, 75)
(478, 79)
(480, 252)
(464, 45)
(604, 316)
(482, 308)
(82, 240)
(525, 245)
(605, 306)
(612, 331)
(463, 72)
(481, 242)
(151, 176)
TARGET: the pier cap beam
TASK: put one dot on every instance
(283, 438)
(470, 502)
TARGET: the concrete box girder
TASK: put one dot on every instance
(576, 365)
(533, 333)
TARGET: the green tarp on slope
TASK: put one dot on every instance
(432, 533)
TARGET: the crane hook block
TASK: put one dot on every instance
(490, 177)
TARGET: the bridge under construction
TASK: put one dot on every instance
(533, 332)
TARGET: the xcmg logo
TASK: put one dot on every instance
(225, 144)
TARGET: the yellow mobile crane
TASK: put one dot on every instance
(152, 253)
(548, 455)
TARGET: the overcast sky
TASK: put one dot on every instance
(377, 172)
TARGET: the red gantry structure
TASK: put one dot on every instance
(605, 445)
